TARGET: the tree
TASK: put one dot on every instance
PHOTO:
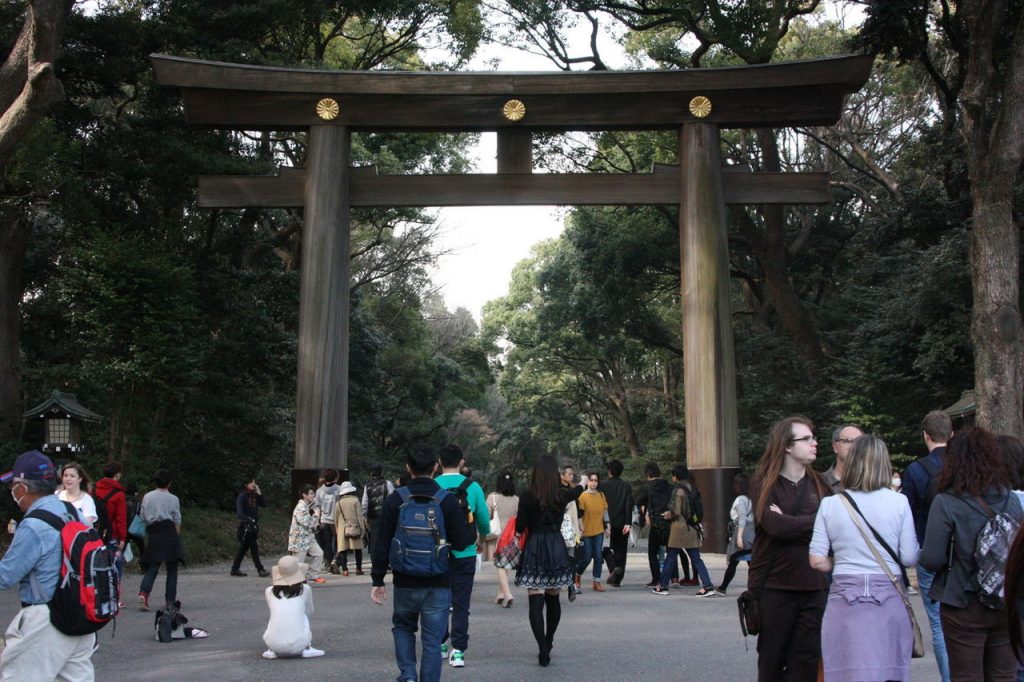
(28, 88)
(976, 62)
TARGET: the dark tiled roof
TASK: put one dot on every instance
(65, 402)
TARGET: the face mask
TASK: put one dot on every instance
(17, 500)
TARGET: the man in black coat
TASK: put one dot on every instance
(620, 515)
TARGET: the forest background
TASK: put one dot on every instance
(179, 325)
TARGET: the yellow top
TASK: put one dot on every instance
(593, 505)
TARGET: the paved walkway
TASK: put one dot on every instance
(611, 636)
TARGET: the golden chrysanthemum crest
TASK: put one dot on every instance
(514, 110)
(327, 109)
(700, 106)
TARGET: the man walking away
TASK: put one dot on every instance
(920, 487)
(375, 492)
(463, 563)
(247, 506)
(35, 649)
(420, 602)
(842, 443)
(620, 512)
(655, 503)
(326, 498)
(112, 512)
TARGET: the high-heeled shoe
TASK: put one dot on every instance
(508, 603)
(500, 601)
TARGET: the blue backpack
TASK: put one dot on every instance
(419, 546)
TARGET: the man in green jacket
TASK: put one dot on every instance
(463, 562)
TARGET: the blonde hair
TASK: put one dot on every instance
(867, 467)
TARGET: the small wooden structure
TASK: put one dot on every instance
(63, 417)
(697, 103)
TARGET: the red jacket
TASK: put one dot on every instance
(117, 506)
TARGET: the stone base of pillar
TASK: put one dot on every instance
(300, 477)
(716, 492)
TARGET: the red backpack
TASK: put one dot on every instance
(87, 592)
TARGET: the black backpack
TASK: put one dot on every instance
(461, 493)
(102, 525)
(376, 493)
(696, 505)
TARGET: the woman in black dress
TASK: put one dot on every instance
(544, 568)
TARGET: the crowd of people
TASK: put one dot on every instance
(828, 552)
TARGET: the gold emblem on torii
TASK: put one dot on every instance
(700, 106)
(327, 109)
(514, 110)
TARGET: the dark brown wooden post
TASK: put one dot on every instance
(709, 365)
(321, 417)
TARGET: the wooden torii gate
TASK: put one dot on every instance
(330, 105)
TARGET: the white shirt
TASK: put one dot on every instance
(288, 630)
(886, 510)
(84, 504)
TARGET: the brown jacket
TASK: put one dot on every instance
(349, 512)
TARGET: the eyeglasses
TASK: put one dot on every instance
(844, 440)
(809, 439)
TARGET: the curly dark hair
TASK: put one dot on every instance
(973, 464)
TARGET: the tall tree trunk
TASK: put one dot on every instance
(13, 244)
(992, 105)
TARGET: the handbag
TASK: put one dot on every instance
(137, 529)
(918, 651)
(353, 530)
(495, 526)
(510, 546)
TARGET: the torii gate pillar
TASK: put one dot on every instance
(321, 415)
(709, 368)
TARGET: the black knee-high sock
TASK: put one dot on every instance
(537, 617)
(554, 609)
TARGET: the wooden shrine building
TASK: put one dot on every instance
(697, 103)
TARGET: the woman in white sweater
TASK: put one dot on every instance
(290, 601)
(865, 612)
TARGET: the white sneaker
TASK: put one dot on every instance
(310, 652)
(457, 659)
(269, 654)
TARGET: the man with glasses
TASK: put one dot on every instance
(35, 649)
(842, 443)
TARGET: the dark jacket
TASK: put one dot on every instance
(782, 541)
(954, 517)
(456, 530)
(657, 499)
(915, 482)
(247, 506)
(620, 503)
(533, 518)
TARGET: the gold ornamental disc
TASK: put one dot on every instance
(327, 109)
(514, 110)
(700, 106)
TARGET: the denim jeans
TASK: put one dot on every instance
(931, 607)
(461, 574)
(699, 569)
(591, 549)
(426, 607)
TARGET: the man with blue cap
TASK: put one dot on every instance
(35, 649)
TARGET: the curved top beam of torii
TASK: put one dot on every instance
(240, 96)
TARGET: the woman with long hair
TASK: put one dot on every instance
(865, 610)
(786, 494)
(502, 504)
(544, 568)
(975, 485)
(76, 482)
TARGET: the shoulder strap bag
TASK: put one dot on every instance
(918, 651)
